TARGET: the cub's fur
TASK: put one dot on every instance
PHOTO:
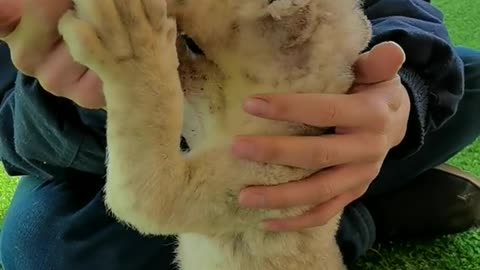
(249, 47)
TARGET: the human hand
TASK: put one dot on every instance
(369, 122)
(29, 27)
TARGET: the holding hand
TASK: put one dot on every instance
(29, 27)
(369, 122)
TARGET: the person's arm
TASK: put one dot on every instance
(432, 73)
(42, 133)
(425, 98)
(7, 74)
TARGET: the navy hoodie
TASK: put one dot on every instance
(47, 136)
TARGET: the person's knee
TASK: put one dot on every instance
(25, 232)
(356, 233)
(471, 59)
(64, 225)
(37, 223)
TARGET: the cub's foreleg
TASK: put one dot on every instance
(131, 46)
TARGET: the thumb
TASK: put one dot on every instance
(10, 14)
(381, 63)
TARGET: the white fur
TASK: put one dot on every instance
(250, 46)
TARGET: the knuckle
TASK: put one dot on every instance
(331, 113)
(50, 83)
(380, 112)
(325, 191)
(86, 103)
(274, 199)
(314, 158)
(374, 146)
(399, 137)
(357, 193)
(320, 158)
(372, 171)
(379, 147)
(394, 101)
(267, 151)
(21, 60)
(382, 116)
(321, 219)
(277, 107)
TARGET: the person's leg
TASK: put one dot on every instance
(63, 224)
(23, 187)
(399, 178)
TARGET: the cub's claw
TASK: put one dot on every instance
(82, 41)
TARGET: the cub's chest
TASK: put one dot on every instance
(197, 252)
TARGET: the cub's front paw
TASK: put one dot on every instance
(120, 38)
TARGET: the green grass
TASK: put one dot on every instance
(463, 20)
(7, 186)
(457, 252)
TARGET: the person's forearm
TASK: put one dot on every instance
(432, 73)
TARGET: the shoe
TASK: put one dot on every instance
(441, 201)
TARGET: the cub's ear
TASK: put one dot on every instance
(285, 8)
(291, 22)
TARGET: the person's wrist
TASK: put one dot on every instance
(418, 97)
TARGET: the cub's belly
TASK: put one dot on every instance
(197, 252)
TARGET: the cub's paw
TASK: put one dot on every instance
(112, 36)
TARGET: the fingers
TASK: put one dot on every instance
(78, 84)
(10, 14)
(317, 189)
(316, 110)
(87, 91)
(380, 64)
(36, 33)
(317, 216)
(37, 50)
(379, 68)
(51, 73)
(82, 85)
(315, 152)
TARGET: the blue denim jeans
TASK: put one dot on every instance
(62, 223)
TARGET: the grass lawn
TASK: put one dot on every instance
(7, 186)
(458, 252)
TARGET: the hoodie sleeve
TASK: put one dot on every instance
(40, 134)
(7, 74)
(433, 72)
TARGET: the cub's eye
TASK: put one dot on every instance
(192, 46)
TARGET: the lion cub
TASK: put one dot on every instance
(160, 83)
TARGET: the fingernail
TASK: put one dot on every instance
(243, 149)
(252, 200)
(256, 106)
